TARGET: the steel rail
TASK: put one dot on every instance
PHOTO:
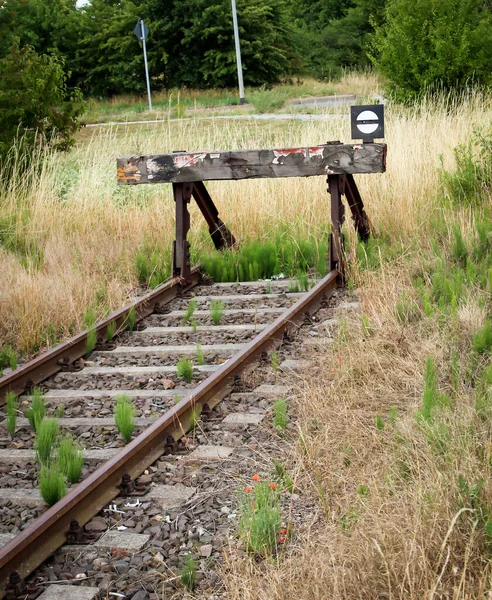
(65, 354)
(45, 535)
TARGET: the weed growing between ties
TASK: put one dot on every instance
(188, 574)
(11, 416)
(124, 416)
(275, 360)
(70, 459)
(259, 517)
(216, 311)
(52, 484)
(184, 369)
(47, 432)
(200, 359)
(190, 310)
(36, 412)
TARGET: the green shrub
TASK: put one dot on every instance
(184, 369)
(482, 339)
(124, 416)
(70, 459)
(431, 45)
(35, 413)
(35, 104)
(46, 436)
(8, 358)
(52, 484)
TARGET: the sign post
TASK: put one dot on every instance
(142, 31)
(238, 54)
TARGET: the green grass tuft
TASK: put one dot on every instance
(280, 418)
(11, 416)
(70, 459)
(91, 340)
(46, 436)
(188, 574)
(482, 339)
(216, 311)
(110, 330)
(124, 416)
(35, 413)
(52, 484)
(185, 369)
(200, 359)
(191, 308)
(8, 358)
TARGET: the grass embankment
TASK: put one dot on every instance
(394, 438)
(187, 103)
(393, 434)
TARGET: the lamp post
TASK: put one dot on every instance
(238, 54)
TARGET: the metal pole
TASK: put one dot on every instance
(238, 54)
(145, 62)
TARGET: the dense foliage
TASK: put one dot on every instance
(34, 101)
(191, 42)
(417, 44)
(429, 44)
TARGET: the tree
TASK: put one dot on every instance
(434, 43)
(195, 46)
(110, 59)
(35, 103)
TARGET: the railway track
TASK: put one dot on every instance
(255, 318)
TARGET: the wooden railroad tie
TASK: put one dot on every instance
(188, 170)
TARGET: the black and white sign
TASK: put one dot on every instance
(367, 122)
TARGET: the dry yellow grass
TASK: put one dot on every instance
(88, 229)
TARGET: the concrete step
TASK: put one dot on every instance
(166, 350)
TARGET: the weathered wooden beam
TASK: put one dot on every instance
(180, 167)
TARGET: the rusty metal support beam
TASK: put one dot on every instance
(40, 368)
(336, 258)
(359, 216)
(221, 236)
(40, 539)
(181, 247)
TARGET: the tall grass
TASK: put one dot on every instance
(394, 427)
(83, 241)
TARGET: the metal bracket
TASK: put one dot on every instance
(77, 534)
(129, 487)
(69, 366)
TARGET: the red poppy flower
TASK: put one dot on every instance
(273, 486)
(248, 490)
(281, 539)
(255, 477)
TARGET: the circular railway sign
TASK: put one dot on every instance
(367, 122)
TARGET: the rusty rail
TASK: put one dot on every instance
(66, 353)
(38, 541)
